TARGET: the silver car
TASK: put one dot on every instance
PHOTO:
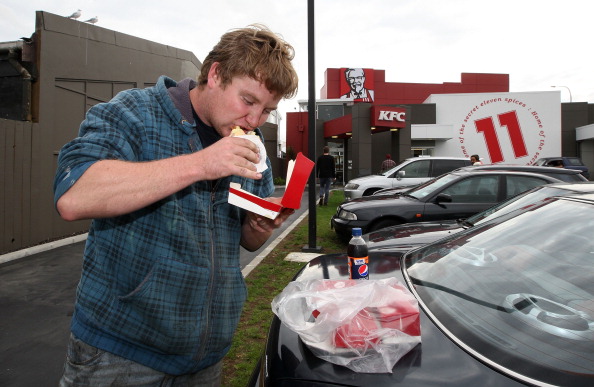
(411, 172)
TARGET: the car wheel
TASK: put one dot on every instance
(384, 223)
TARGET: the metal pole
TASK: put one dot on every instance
(570, 98)
(311, 131)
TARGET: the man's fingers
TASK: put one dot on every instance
(250, 174)
(233, 156)
(247, 149)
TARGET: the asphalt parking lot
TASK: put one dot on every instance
(36, 299)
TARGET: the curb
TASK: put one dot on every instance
(12, 256)
(41, 248)
(256, 261)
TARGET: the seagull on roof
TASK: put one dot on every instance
(75, 15)
(92, 20)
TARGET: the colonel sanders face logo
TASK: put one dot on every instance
(355, 79)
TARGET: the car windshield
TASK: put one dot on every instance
(430, 186)
(393, 169)
(519, 293)
(517, 202)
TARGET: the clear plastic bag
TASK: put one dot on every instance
(366, 326)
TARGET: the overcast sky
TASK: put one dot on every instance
(539, 43)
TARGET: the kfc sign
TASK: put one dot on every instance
(388, 116)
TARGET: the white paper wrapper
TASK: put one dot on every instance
(261, 165)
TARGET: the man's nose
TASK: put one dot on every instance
(253, 119)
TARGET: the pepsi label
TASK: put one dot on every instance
(359, 268)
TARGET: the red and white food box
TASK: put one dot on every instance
(360, 331)
(297, 176)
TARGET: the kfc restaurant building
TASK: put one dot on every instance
(362, 118)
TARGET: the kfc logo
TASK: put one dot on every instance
(385, 115)
(357, 85)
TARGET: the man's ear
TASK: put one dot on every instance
(213, 76)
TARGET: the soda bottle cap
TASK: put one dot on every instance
(357, 231)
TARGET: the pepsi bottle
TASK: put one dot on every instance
(358, 256)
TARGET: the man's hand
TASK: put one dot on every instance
(257, 228)
(229, 156)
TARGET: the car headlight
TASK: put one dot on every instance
(351, 186)
(346, 215)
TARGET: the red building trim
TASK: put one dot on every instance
(339, 127)
(386, 93)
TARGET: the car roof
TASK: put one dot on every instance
(558, 157)
(579, 186)
(526, 168)
(474, 171)
(436, 158)
(587, 197)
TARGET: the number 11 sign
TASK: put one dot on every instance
(510, 128)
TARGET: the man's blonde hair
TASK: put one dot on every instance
(258, 53)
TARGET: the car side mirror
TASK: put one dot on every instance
(400, 174)
(443, 198)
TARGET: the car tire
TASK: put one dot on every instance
(384, 223)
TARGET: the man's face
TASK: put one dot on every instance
(356, 79)
(245, 102)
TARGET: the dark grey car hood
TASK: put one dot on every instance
(408, 236)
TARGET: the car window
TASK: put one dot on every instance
(475, 189)
(519, 184)
(416, 169)
(430, 186)
(444, 166)
(575, 161)
(521, 201)
(518, 292)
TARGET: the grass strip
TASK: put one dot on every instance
(266, 281)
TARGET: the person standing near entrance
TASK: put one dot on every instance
(387, 164)
(326, 172)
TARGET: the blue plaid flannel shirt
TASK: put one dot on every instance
(161, 286)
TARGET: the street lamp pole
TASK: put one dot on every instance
(570, 99)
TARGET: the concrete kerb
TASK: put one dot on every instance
(41, 248)
(256, 261)
(301, 257)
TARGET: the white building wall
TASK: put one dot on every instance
(508, 128)
(431, 132)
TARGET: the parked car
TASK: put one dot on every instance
(454, 195)
(411, 172)
(567, 175)
(505, 303)
(566, 162)
(408, 236)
